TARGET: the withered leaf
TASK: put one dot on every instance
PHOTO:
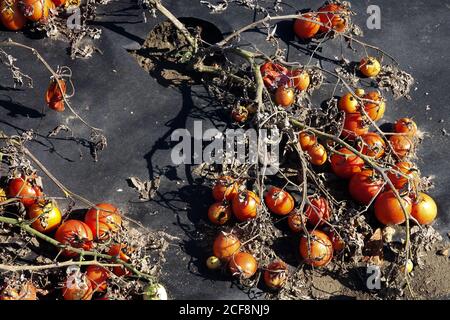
(146, 189)
(373, 249)
(58, 129)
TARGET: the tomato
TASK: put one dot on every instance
(424, 209)
(77, 288)
(388, 208)
(405, 125)
(98, 276)
(295, 222)
(59, 3)
(346, 166)
(54, 95)
(364, 186)
(402, 145)
(332, 16)
(305, 29)
(301, 79)
(318, 211)
(408, 268)
(307, 140)
(408, 169)
(155, 291)
(360, 92)
(318, 154)
(284, 96)
(35, 10)
(219, 213)
(372, 145)
(25, 291)
(354, 125)
(24, 190)
(239, 114)
(119, 251)
(276, 274)
(245, 205)
(46, 214)
(104, 219)
(375, 110)
(226, 188)
(337, 241)
(226, 245)
(243, 264)
(370, 67)
(348, 103)
(76, 234)
(272, 72)
(318, 251)
(279, 201)
(11, 16)
(213, 263)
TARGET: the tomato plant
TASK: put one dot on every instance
(35, 10)
(296, 221)
(226, 245)
(120, 251)
(243, 264)
(213, 263)
(388, 209)
(104, 219)
(239, 114)
(245, 205)
(225, 188)
(46, 216)
(219, 213)
(317, 251)
(364, 186)
(354, 125)
(317, 211)
(345, 163)
(279, 201)
(332, 17)
(76, 234)
(301, 79)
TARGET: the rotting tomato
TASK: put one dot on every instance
(402, 145)
(46, 216)
(98, 276)
(279, 201)
(284, 96)
(243, 264)
(296, 221)
(332, 17)
(25, 291)
(11, 16)
(275, 275)
(225, 188)
(405, 125)
(219, 213)
(388, 209)
(318, 251)
(245, 205)
(345, 166)
(408, 169)
(54, 96)
(76, 234)
(120, 251)
(354, 125)
(317, 211)
(307, 140)
(239, 114)
(348, 103)
(104, 219)
(35, 10)
(424, 209)
(364, 186)
(272, 73)
(369, 67)
(77, 288)
(318, 154)
(306, 29)
(24, 190)
(337, 241)
(372, 145)
(301, 79)
(375, 110)
(226, 245)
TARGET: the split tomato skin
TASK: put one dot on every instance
(405, 167)
(243, 264)
(346, 166)
(295, 221)
(402, 145)
(272, 73)
(306, 29)
(104, 219)
(11, 16)
(225, 188)
(275, 275)
(388, 209)
(239, 114)
(406, 126)
(76, 234)
(24, 190)
(354, 125)
(219, 213)
(225, 246)
(279, 201)
(424, 209)
(372, 145)
(369, 67)
(318, 211)
(245, 205)
(319, 251)
(318, 154)
(77, 289)
(47, 214)
(364, 186)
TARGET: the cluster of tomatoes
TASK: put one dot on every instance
(100, 223)
(14, 14)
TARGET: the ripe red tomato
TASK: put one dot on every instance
(77, 288)
(104, 219)
(46, 216)
(375, 110)
(35, 10)
(318, 211)
(243, 264)
(295, 222)
(318, 154)
(372, 145)
(284, 96)
(226, 188)
(76, 234)
(424, 209)
(370, 67)
(307, 140)
(301, 79)
(337, 241)
(279, 201)
(24, 190)
(332, 17)
(405, 125)
(354, 125)
(54, 95)
(219, 213)
(305, 29)
(346, 166)
(98, 276)
(408, 169)
(402, 145)
(120, 251)
(226, 245)
(11, 16)
(245, 205)
(348, 103)
(276, 274)
(318, 251)
(364, 186)
(388, 208)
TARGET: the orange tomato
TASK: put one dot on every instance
(364, 186)
(226, 245)
(372, 145)
(295, 222)
(119, 251)
(408, 169)
(76, 234)
(346, 166)
(405, 125)
(98, 276)
(11, 16)
(375, 110)
(354, 125)
(402, 145)
(284, 96)
(306, 29)
(337, 241)
(46, 214)
(226, 188)
(301, 79)
(25, 291)
(388, 208)
(77, 288)
(318, 251)
(279, 201)
(35, 10)
(243, 264)
(424, 209)
(54, 96)
(332, 17)
(245, 205)
(307, 140)
(318, 154)
(104, 219)
(275, 275)
(370, 67)
(348, 103)
(318, 211)
(219, 213)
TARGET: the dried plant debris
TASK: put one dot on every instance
(18, 76)
(396, 80)
(146, 189)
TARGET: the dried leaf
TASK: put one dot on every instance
(146, 189)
